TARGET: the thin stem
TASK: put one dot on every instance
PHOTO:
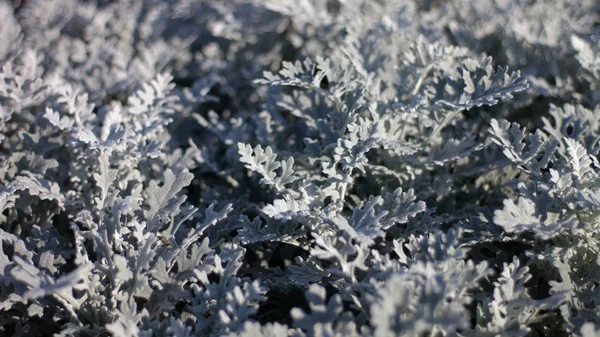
(421, 79)
(444, 122)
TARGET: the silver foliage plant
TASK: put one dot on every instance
(299, 168)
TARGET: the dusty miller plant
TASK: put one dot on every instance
(299, 168)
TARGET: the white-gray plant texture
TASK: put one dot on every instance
(305, 168)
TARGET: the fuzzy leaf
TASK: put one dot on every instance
(264, 162)
(517, 217)
(162, 201)
(105, 178)
(579, 160)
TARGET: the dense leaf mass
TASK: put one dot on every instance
(302, 168)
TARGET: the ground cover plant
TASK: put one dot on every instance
(299, 168)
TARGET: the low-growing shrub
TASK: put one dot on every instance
(299, 168)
